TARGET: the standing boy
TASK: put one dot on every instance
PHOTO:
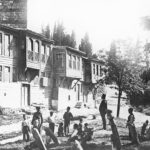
(25, 129)
(67, 118)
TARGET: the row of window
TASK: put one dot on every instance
(74, 62)
(8, 45)
(5, 74)
(97, 70)
(34, 50)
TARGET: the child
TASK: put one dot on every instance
(67, 118)
(60, 130)
(74, 135)
(80, 127)
(51, 121)
(131, 126)
(143, 130)
(25, 129)
(88, 132)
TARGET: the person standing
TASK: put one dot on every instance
(103, 110)
(51, 121)
(131, 126)
(37, 119)
(67, 118)
(25, 129)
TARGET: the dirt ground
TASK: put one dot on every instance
(100, 139)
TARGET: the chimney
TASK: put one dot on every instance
(13, 13)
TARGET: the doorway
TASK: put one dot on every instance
(25, 90)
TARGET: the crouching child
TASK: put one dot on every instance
(87, 134)
(74, 135)
(60, 130)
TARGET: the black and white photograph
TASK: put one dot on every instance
(74, 74)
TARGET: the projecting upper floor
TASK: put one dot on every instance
(38, 50)
(67, 62)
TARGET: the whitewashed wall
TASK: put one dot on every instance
(63, 101)
(10, 95)
(38, 95)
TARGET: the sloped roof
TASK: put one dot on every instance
(70, 49)
(26, 31)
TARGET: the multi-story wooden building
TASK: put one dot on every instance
(25, 59)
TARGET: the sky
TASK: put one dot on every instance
(103, 20)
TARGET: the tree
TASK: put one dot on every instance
(58, 33)
(46, 31)
(61, 38)
(86, 46)
(124, 73)
(69, 40)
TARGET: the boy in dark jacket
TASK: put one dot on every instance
(67, 118)
(103, 110)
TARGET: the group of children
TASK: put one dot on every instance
(79, 132)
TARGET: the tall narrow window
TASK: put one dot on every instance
(36, 51)
(100, 70)
(0, 44)
(78, 63)
(48, 51)
(81, 88)
(7, 45)
(70, 61)
(14, 74)
(59, 60)
(74, 62)
(14, 47)
(7, 74)
(43, 53)
(97, 71)
(30, 49)
(30, 45)
(0, 73)
(93, 68)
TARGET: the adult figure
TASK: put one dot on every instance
(103, 110)
(131, 126)
(67, 118)
(37, 119)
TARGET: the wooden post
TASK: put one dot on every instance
(115, 135)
